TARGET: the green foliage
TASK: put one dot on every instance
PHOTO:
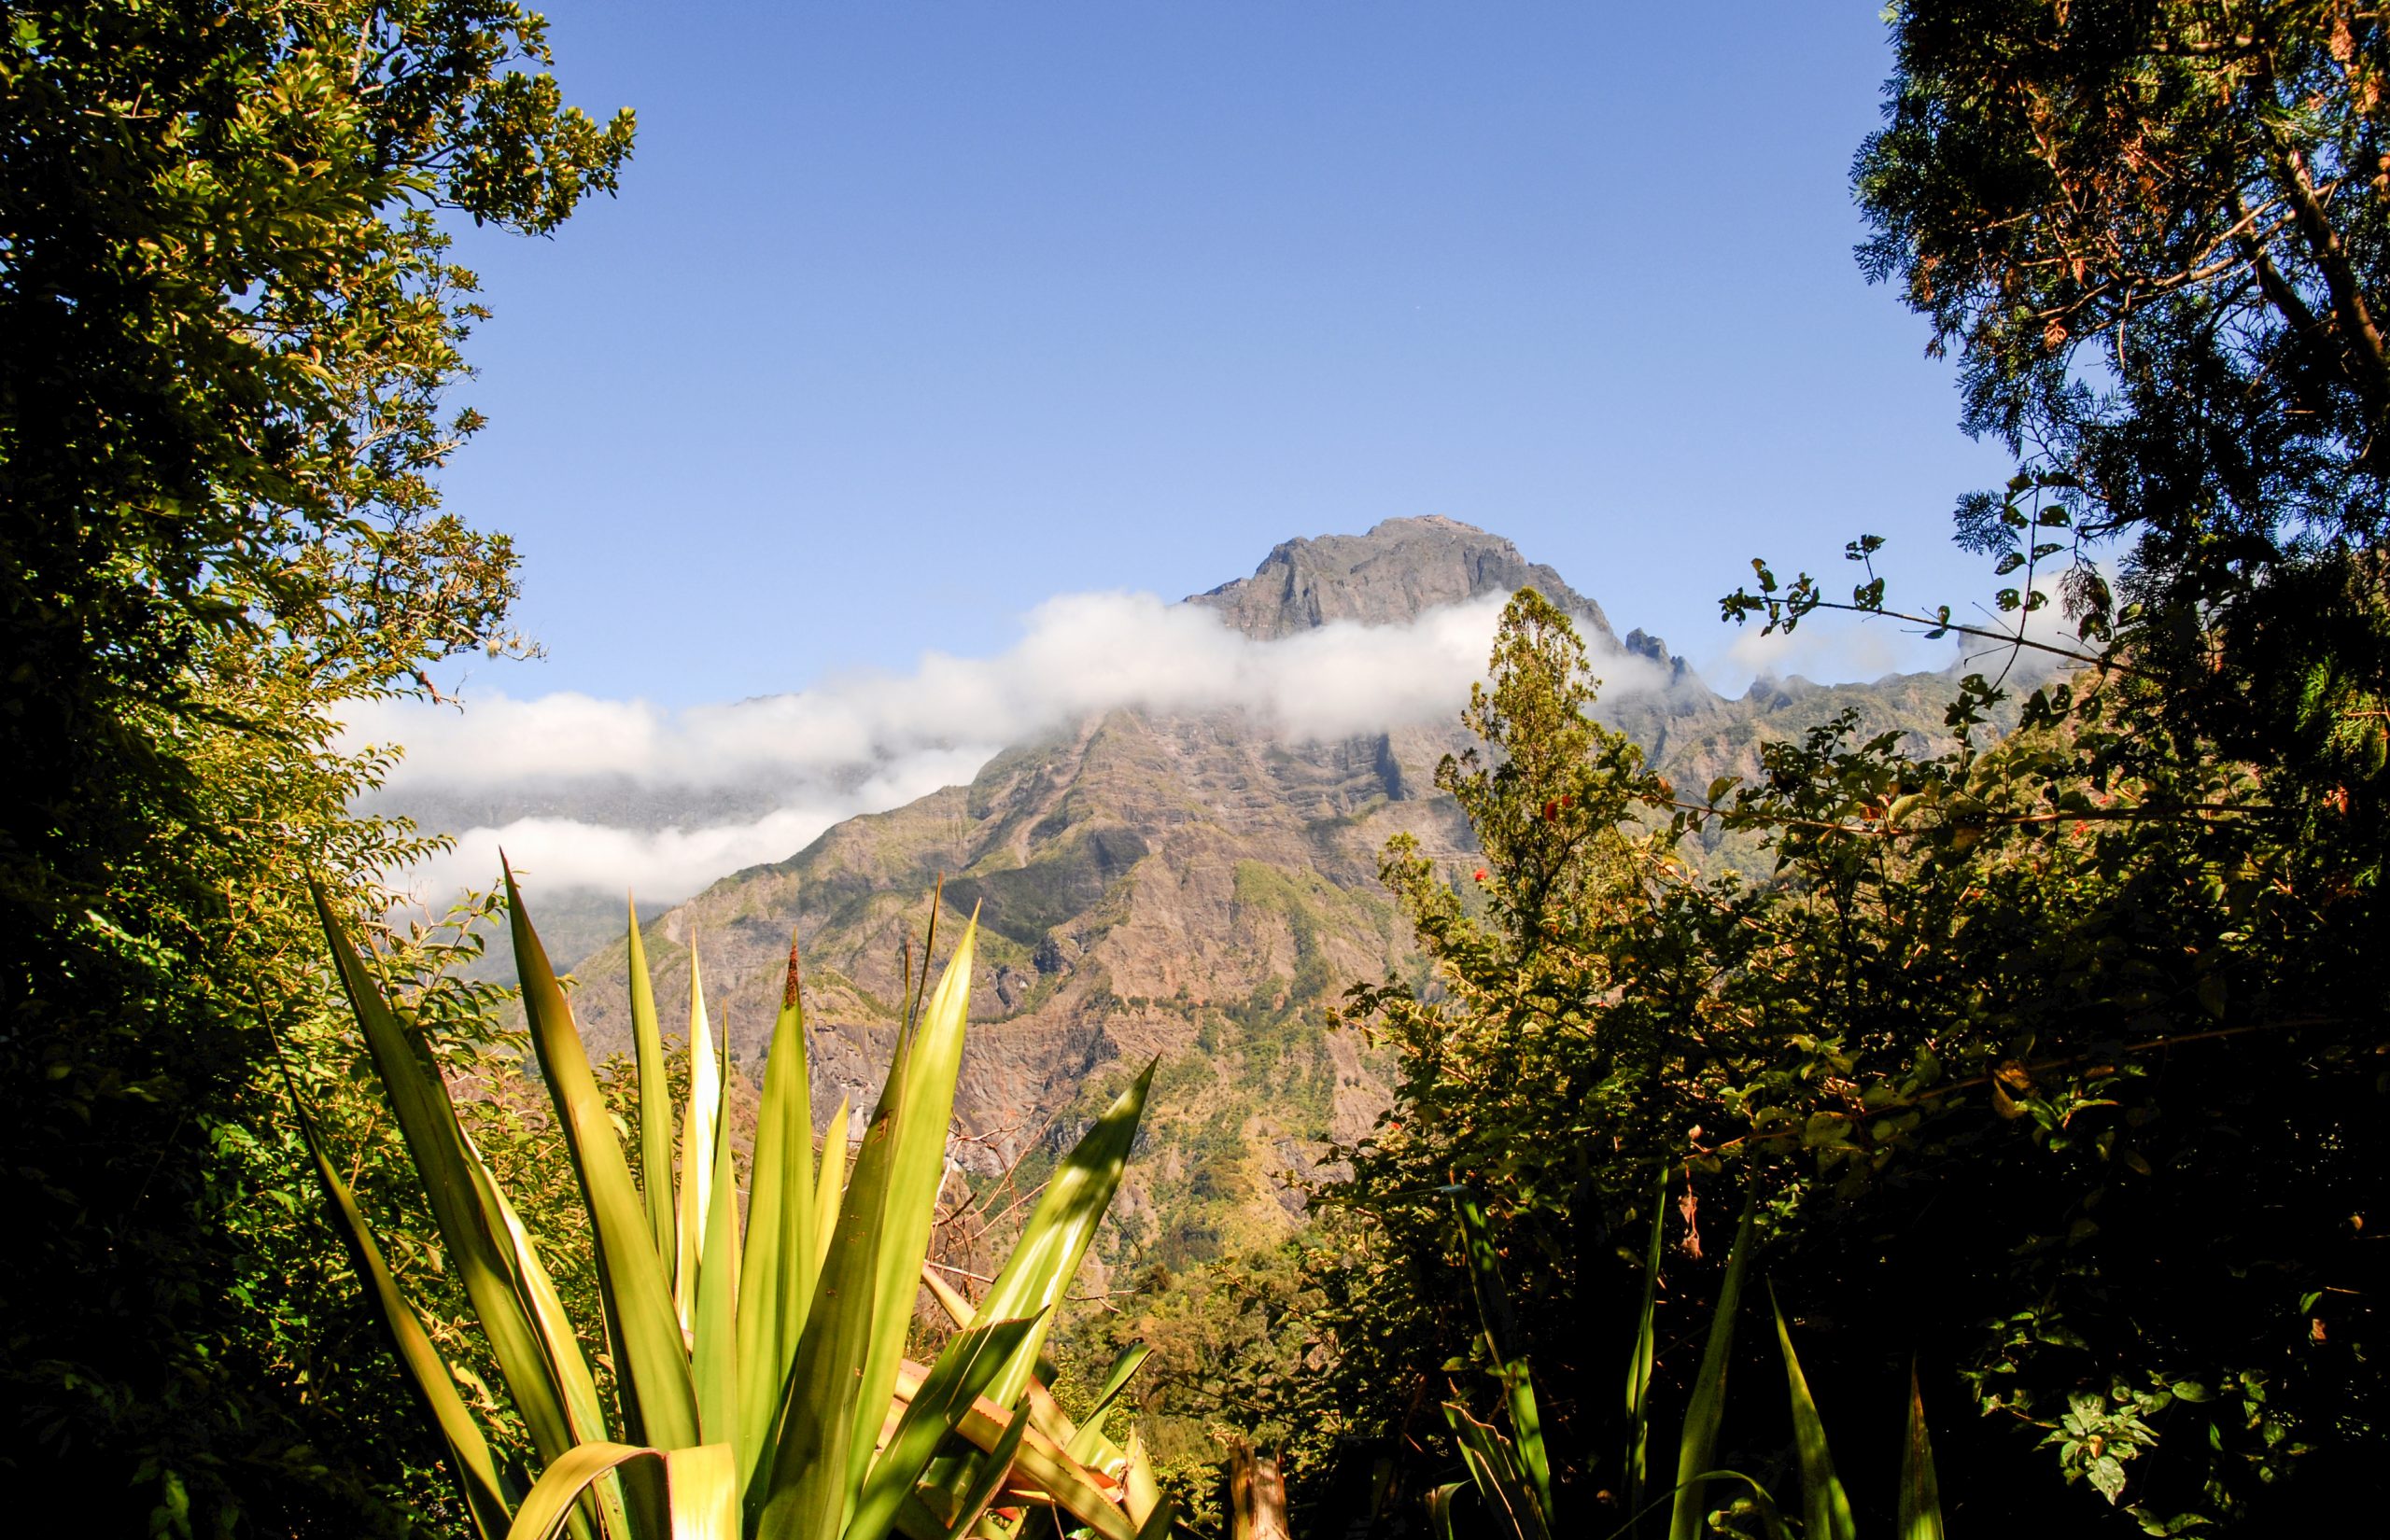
(229, 319)
(2159, 235)
(2061, 1051)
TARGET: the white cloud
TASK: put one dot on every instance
(1829, 650)
(864, 742)
(670, 863)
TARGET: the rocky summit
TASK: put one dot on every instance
(1196, 888)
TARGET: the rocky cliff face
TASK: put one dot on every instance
(1190, 888)
(1186, 886)
(1400, 568)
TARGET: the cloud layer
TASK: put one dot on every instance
(590, 793)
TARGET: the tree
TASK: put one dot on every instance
(2053, 1062)
(231, 318)
(2159, 234)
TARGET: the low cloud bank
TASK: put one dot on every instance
(580, 790)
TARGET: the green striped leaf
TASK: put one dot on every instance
(436, 1143)
(1501, 1480)
(567, 1364)
(997, 1466)
(697, 1126)
(776, 1276)
(1641, 1362)
(479, 1485)
(714, 1343)
(1089, 1443)
(1055, 1239)
(659, 1401)
(683, 1491)
(921, 1112)
(654, 1100)
(835, 1135)
(805, 1497)
(965, 1367)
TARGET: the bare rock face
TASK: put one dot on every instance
(1186, 888)
(1400, 568)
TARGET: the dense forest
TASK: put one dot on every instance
(2001, 1142)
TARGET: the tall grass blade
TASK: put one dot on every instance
(1502, 1344)
(1825, 1511)
(655, 1099)
(697, 1126)
(776, 1277)
(1918, 1515)
(1159, 1523)
(659, 1401)
(481, 1489)
(436, 1142)
(1698, 1449)
(703, 1487)
(1641, 1363)
(1440, 1509)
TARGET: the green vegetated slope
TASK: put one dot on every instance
(1198, 887)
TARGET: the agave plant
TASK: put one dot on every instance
(1512, 1476)
(760, 1388)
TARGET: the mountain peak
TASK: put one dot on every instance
(1401, 567)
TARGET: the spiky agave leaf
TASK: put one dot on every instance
(488, 1499)
(1055, 1239)
(713, 1343)
(471, 1234)
(850, 1353)
(567, 1364)
(919, 1105)
(659, 1399)
(970, 1362)
(654, 1100)
(699, 1124)
(1089, 1443)
(775, 1278)
(836, 1135)
(698, 1495)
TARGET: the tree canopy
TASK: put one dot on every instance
(2159, 237)
(232, 321)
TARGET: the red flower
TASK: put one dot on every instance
(1480, 874)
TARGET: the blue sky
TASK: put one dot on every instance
(911, 315)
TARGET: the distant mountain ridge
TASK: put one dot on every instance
(1191, 886)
